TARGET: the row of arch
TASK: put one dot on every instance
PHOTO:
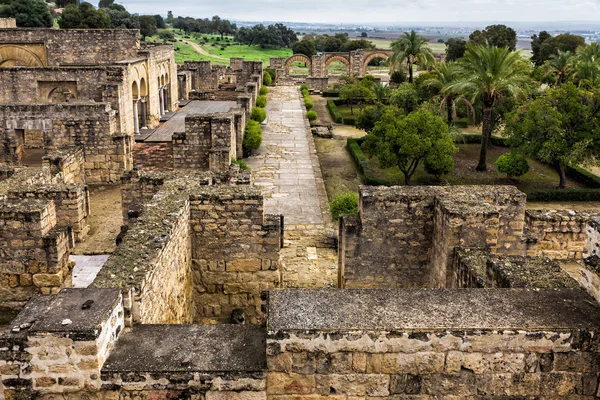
(140, 92)
(332, 58)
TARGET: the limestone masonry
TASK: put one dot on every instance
(450, 292)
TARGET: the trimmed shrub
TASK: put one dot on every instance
(349, 121)
(330, 93)
(272, 73)
(263, 91)
(267, 79)
(564, 195)
(346, 203)
(252, 135)
(258, 114)
(512, 164)
(461, 123)
(261, 101)
(583, 176)
(312, 116)
(243, 166)
(304, 92)
(308, 103)
(304, 87)
(438, 166)
(335, 113)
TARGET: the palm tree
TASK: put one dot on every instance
(381, 91)
(591, 52)
(560, 64)
(442, 75)
(485, 73)
(413, 49)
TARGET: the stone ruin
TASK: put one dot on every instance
(443, 292)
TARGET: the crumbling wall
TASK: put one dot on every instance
(58, 343)
(235, 252)
(561, 234)
(430, 344)
(67, 163)
(35, 251)
(78, 46)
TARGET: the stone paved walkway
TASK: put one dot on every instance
(86, 268)
(176, 123)
(287, 164)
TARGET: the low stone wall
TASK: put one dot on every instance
(68, 162)
(476, 268)
(463, 343)
(405, 236)
(35, 252)
(235, 252)
(58, 343)
(561, 234)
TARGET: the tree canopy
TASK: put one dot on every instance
(28, 13)
(83, 16)
(544, 45)
(147, 25)
(495, 35)
(406, 140)
(272, 36)
(562, 127)
(455, 48)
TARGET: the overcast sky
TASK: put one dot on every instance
(366, 11)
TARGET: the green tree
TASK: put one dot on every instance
(486, 73)
(405, 97)
(120, 18)
(412, 49)
(495, 35)
(562, 42)
(356, 94)
(222, 26)
(147, 26)
(560, 128)
(536, 45)
(560, 65)
(63, 3)
(105, 3)
(84, 16)
(166, 35)
(381, 92)
(306, 47)
(455, 48)
(160, 22)
(28, 13)
(170, 17)
(364, 34)
(405, 141)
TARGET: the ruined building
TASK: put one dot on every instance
(443, 292)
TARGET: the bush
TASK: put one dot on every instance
(308, 103)
(312, 116)
(258, 114)
(583, 176)
(267, 79)
(261, 101)
(437, 166)
(398, 77)
(330, 93)
(263, 91)
(304, 92)
(346, 203)
(252, 135)
(335, 113)
(304, 87)
(461, 123)
(564, 195)
(512, 164)
(350, 121)
(243, 166)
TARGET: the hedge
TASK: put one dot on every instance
(476, 138)
(564, 195)
(583, 176)
(335, 113)
(363, 164)
(350, 121)
(330, 93)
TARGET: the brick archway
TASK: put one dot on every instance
(371, 57)
(297, 57)
(341, 59)
(14, 55)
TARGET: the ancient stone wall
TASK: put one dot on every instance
(152, 264)
(89, 125)
(35, 252)
(8, 23)
(560, 234)
(405, 237)
(78, 46)
(235, 252)
(208, 143)
(464, 343)
(58, 343)
(67, 164)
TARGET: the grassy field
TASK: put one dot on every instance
(219, 51)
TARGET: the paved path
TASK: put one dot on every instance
(287, 163)
(176, 123)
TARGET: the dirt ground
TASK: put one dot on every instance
(105, 221)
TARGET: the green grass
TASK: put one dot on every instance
(218, 56)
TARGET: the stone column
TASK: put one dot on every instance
(161, 102)
(166, 99)
(136, 121)
(181, 88)
(144, 114)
